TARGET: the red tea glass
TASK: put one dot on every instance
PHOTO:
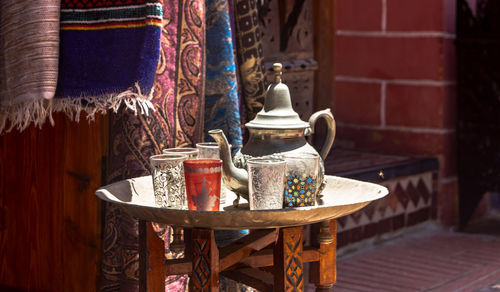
(203, 183)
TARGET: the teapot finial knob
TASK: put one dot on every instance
(277, 72)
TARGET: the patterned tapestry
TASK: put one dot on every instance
(250, 55)
(177, 121)
(221, 88)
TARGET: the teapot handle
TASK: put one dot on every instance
(330, 121)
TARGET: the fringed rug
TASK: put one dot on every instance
(100, 53)
(29, 52)
(108, 54)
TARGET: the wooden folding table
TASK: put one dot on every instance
(270, 258)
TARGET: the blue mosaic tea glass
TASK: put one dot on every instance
(301, 180)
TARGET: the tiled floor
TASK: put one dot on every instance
(430, 259)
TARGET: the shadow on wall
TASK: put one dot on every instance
(495, 201)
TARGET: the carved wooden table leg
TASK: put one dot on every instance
(205, 276)
(288, 265)
(151, 259)
(324, 272)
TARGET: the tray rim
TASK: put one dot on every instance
(181, 215)
(382, 193)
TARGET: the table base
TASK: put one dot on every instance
(266, 259)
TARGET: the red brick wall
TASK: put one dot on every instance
(395, 88)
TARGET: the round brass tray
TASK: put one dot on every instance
(341, 197)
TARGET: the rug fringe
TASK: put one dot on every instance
(20, 116)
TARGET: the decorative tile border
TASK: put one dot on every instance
(411, 201)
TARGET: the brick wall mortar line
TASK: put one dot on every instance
(384, 15)
(382, 103)
(416, 130)
(411, 82)
(397, 34)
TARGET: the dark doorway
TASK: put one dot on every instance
(478, 127)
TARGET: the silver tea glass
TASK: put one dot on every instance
(191, 153)
(265, 183)
(302, 180)
(169, 187)
(208, 150)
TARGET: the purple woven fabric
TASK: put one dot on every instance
(177, 121)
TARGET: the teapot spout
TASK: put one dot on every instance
(236, 179)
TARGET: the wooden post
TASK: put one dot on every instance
(151, 259)
(324, 272)
(177, 245)
(205, 276)
(288, 265)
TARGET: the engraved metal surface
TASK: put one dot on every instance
(341, 197)
(277, 128)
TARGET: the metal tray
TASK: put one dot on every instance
(341, 197)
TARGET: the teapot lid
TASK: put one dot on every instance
(277, 112)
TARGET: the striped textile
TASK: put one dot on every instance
(108, 53)
(111, 17)
(29, 52)
(91, 55)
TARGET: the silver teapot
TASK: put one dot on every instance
(276, 130)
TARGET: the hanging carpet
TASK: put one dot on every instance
(250, 55)
(29, 52)
(108, 54)
(221, 88)
(177, 121)
(74, 56)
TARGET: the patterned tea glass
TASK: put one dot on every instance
(191, 153)
(301, 179)
(203, 178)
(265, 183)
(208, 150)
(167, 172)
